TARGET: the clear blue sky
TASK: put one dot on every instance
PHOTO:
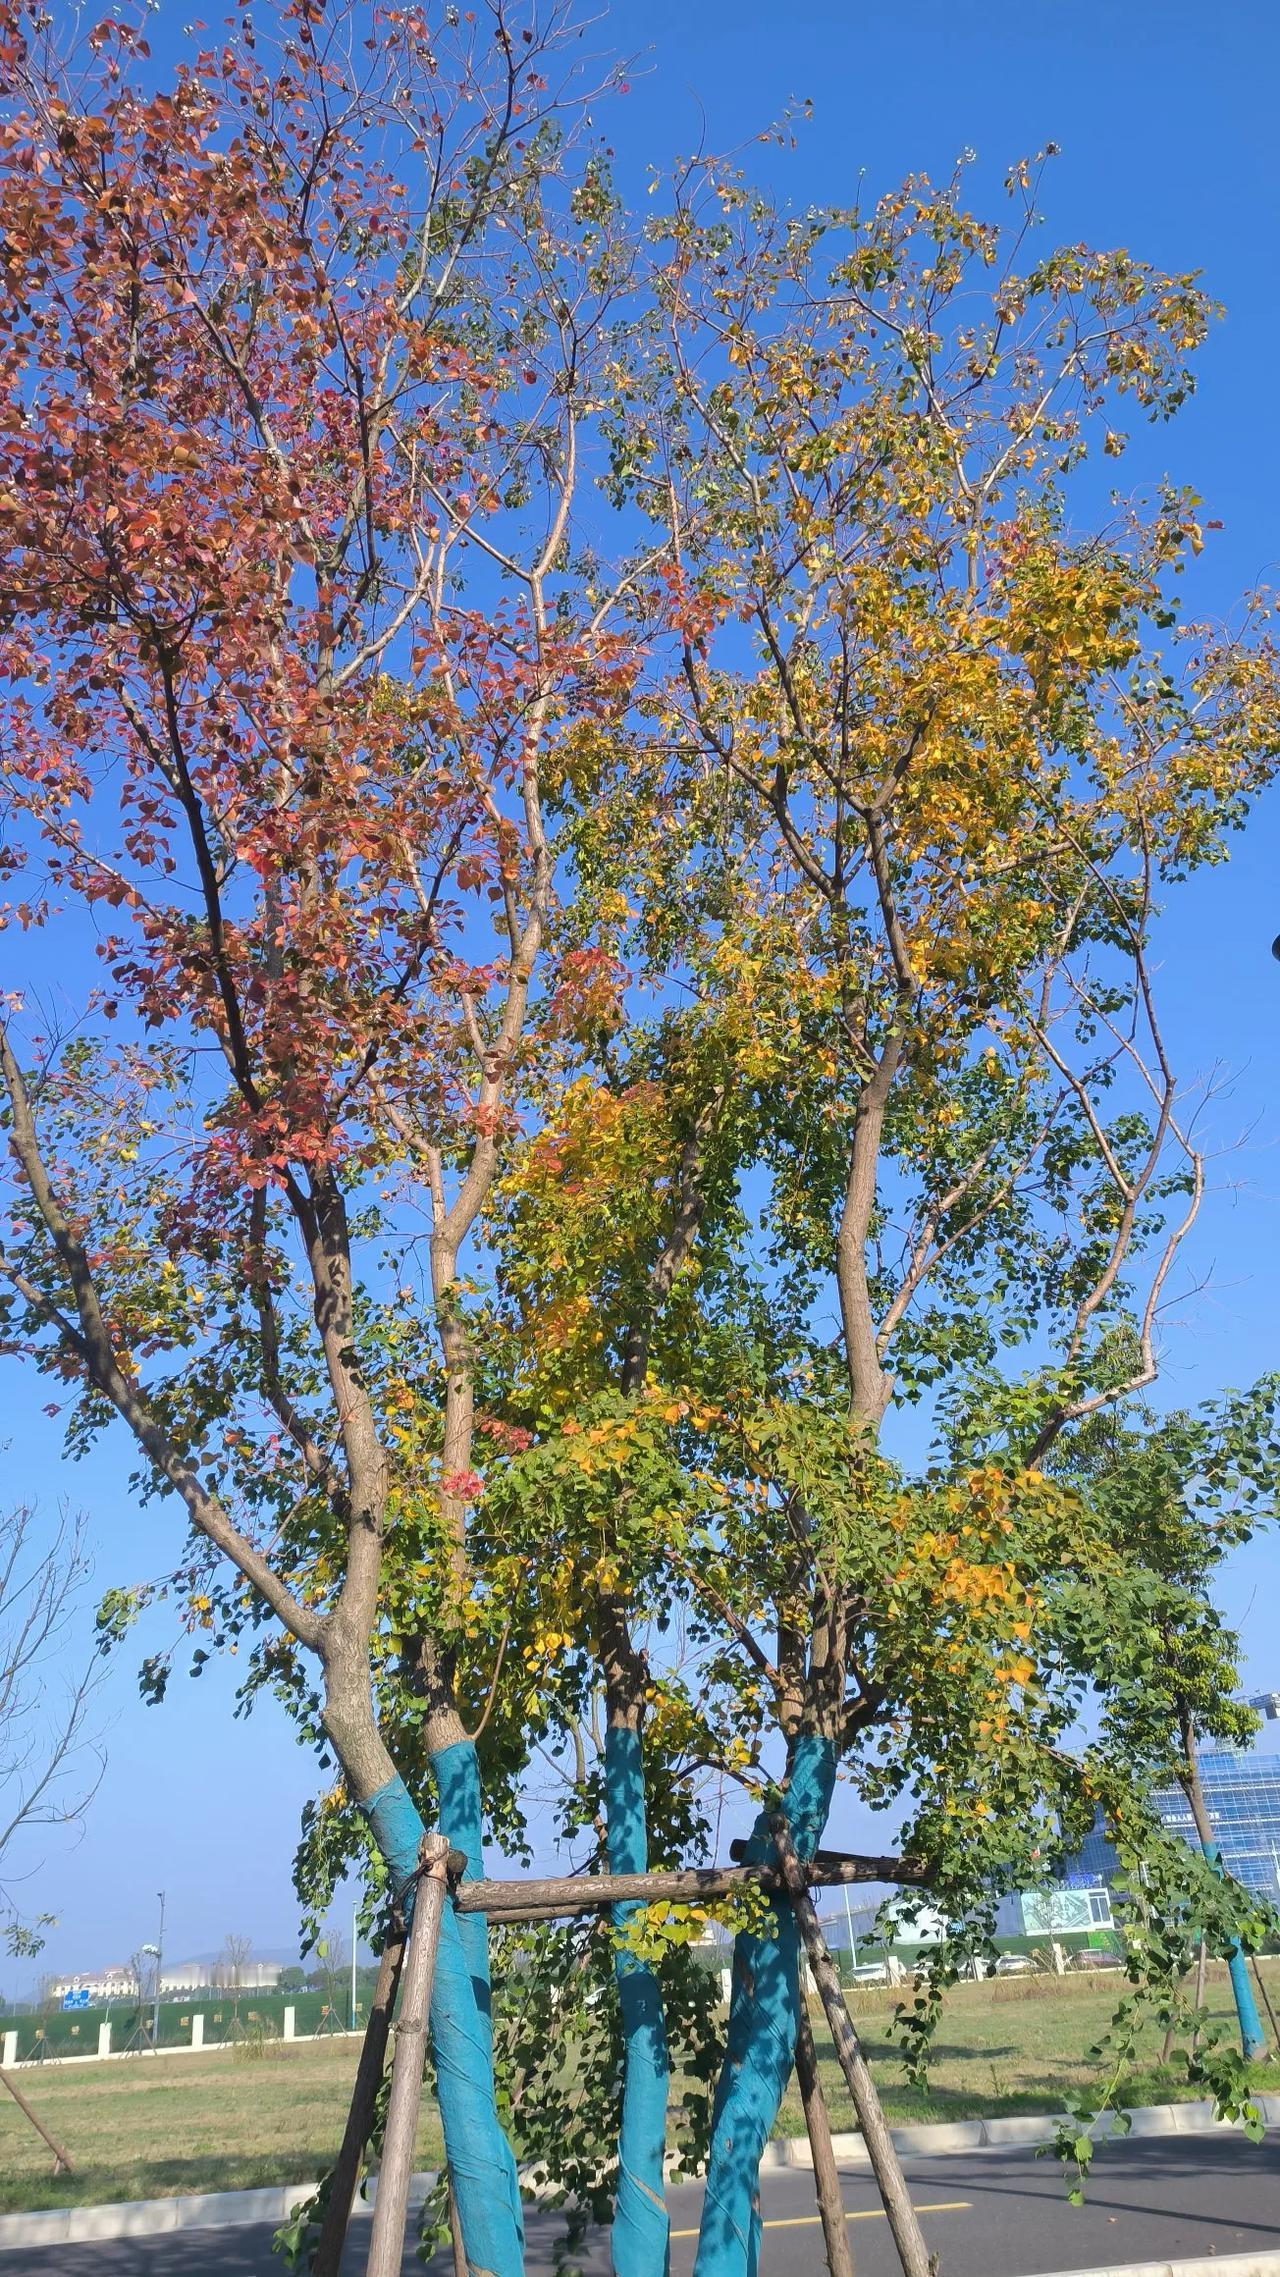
(1165, 117)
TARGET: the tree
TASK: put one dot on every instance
(1181, 1491)
(50, 1765)
(331, 1952)
(139, 1975)
(930, 753)
(297, 354)
(229, 1970)
(442, 906)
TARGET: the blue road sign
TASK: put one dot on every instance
(78, 1997)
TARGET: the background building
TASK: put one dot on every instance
(219, 1975)
(114, 1983)
(211, 1974)
(1242, 1796)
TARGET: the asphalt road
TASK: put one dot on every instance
(987, 2214)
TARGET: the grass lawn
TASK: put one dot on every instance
(230, 2121)
(157, 2126)
(1009, 2045)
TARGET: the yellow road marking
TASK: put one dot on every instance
(859, 2214)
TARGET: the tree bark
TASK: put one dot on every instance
(870, 1388)
(826, 2175)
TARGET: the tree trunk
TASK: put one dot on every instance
(1202, 1959)
(1253, 2040)
(826, 2174)
(764, 2016)
(481, 2161)
(885, 2164)
(641, 2225)
(1261, 1983)
(478, 2152)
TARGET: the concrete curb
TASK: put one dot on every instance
(232, 2209)
(1200, 2265)
(150, 2217)
(1023, 2132)
(159, 2217)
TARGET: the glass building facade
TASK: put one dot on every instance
(1242, 1796)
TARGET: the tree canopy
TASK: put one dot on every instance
(608, 788)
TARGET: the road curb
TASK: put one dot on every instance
(232, 2209)
(1025, 2131)
(1200, 2265)
(160, 2217)
(150, 2217)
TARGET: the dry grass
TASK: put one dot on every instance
(160, 2125)
(157, 2126)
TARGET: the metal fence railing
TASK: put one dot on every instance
(206, 2017)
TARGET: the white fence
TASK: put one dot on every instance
(196, 2046)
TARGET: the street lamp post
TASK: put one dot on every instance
(155, 2008)
(853, 1950)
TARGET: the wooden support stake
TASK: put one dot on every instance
(885, 2165)
(1202, 1962)
(327, 2260)
(460, 2263)
(391, 2206)
(60, 2160)
(826, 2175)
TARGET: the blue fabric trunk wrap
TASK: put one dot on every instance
(641, 2227)
(764, 2012)
(480, 2158)
(1253, 2040)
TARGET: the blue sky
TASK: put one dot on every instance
(1165, 118)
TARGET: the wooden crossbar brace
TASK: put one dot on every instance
(439, 1882)
(564, 1896)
